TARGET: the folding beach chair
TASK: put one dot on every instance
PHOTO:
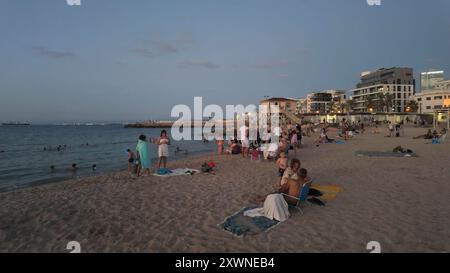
(303, 195)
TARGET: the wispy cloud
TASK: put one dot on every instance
(143, 52)
(52, 54)
(197, 63)
(272, 64)
(156, 47)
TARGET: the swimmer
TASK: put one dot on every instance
(52, 168)
(94, 167)
(74, 167)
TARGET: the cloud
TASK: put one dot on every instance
(300, 50)
(272, 64)
(143, 52)
(52, 54)
(196, 63)
(283, 76)
(150, 48)
(165, 47)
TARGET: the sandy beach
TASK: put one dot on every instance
(403, 203)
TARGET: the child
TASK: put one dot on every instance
(282, 164)
(131, 159)
(220, 144)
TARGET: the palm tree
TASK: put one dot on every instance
(332, 106)
(348, 106)
(369, 103)
(412, 106)
(388, 101)
(380, 102)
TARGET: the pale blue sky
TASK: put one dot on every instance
(113, 60)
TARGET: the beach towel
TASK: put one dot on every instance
(329, 192)
(177, 172)
(384, 154)
(144, 159)
(240, 225)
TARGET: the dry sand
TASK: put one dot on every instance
(403, 203)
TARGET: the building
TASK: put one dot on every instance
(302, 107)
(370, 93)
(435, 99)
(429, 80)
(285, 104)
(317, 102)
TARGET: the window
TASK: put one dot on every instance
(419, 99)
(438, 97)
(438, 107)
(428, 98)
(428, 107)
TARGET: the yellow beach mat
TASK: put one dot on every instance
(329, 191)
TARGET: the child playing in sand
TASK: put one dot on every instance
(282, 163)
(163, 143)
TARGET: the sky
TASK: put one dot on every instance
(115, 60)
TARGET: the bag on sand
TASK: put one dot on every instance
(316, 201)
(314, 192)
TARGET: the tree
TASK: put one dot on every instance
(412, 106)
(348, 106)
(369, 103)
(380, 104)
(332, 106)
(388, 101)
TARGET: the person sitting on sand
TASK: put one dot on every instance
(291, 172)
(428, 135)
(235, 148)
(276, 205)
(282, 164)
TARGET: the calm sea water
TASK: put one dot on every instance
(24, 162)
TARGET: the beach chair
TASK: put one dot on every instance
(303, 195)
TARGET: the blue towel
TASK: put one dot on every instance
(164, 171)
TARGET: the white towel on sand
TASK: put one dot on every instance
(275, 208)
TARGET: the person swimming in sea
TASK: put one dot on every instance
(94, 167)
(74, 167)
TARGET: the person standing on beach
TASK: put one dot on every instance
(142, 155)
(131, 159)
(163, 143)
(245, 141)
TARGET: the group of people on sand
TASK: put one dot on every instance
(432, 134)
(140, 160)
(288, 139)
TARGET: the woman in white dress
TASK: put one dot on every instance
(163, 143)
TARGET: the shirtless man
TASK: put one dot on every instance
(294, 186)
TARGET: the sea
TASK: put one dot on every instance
(27, 152)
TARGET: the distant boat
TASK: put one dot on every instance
(16, 123)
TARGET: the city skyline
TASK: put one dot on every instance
(115, 61)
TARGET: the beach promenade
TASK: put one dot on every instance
(403, 203)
